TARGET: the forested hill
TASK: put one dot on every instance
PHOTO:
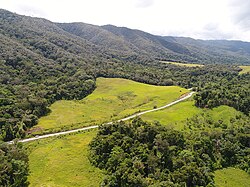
(41, 39)
(162, 48)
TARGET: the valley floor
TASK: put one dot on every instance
(63, 161)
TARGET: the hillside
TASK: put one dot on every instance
(41, 39)
(124, 41)
(215, 51)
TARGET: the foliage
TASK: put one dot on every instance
(231, 91)
(143, 154)
(13, 165)
(42, 62)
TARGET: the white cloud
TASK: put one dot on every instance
(144, 3)
(206, 19)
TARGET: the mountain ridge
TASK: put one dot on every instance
(86, 41)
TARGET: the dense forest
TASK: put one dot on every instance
(231, 91)
(13, 166)
(142, 154)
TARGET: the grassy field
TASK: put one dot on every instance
(177, 115)
(183, 64)
(174, 116)
(61, 162)
(113, 99)
(231, 177)
(224, 113)
(245, 69)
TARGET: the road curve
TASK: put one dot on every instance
(95, 126)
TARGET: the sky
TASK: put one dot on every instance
(200, 19)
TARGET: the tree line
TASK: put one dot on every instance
(231, 91)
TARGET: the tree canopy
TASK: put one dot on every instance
(13, 165)
(143, 154)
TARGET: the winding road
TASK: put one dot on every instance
(93, 127)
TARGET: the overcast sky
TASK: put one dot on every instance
(204, 19)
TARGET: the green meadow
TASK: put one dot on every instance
(183, 64)
(112, 99)
(174, 116)
(231, 177)
(224, 113)
(63, 161)
(177, 115)
(245, 69)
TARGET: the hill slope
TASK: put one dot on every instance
(85, 42)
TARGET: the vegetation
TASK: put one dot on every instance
(231, 91)
(127, 44)
(62, 161)
(42, 62)
(63, 66)
(231, 177)
(176, 116)
(183, 64)
(13, 166)
(52, 61)
(143, 154)
(245, 69)
(223, 113)
(47, 155)
(112, 99)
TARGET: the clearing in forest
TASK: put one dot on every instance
(231, 177)
(183, 64)
(177, 115)
(245, 69)
(113, 99)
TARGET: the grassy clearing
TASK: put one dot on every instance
(174, 116)
(245, 69)
(113, 99)
(183, 64)
(61, 162)
(177, 115)
(224, 113)
(231, 177)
